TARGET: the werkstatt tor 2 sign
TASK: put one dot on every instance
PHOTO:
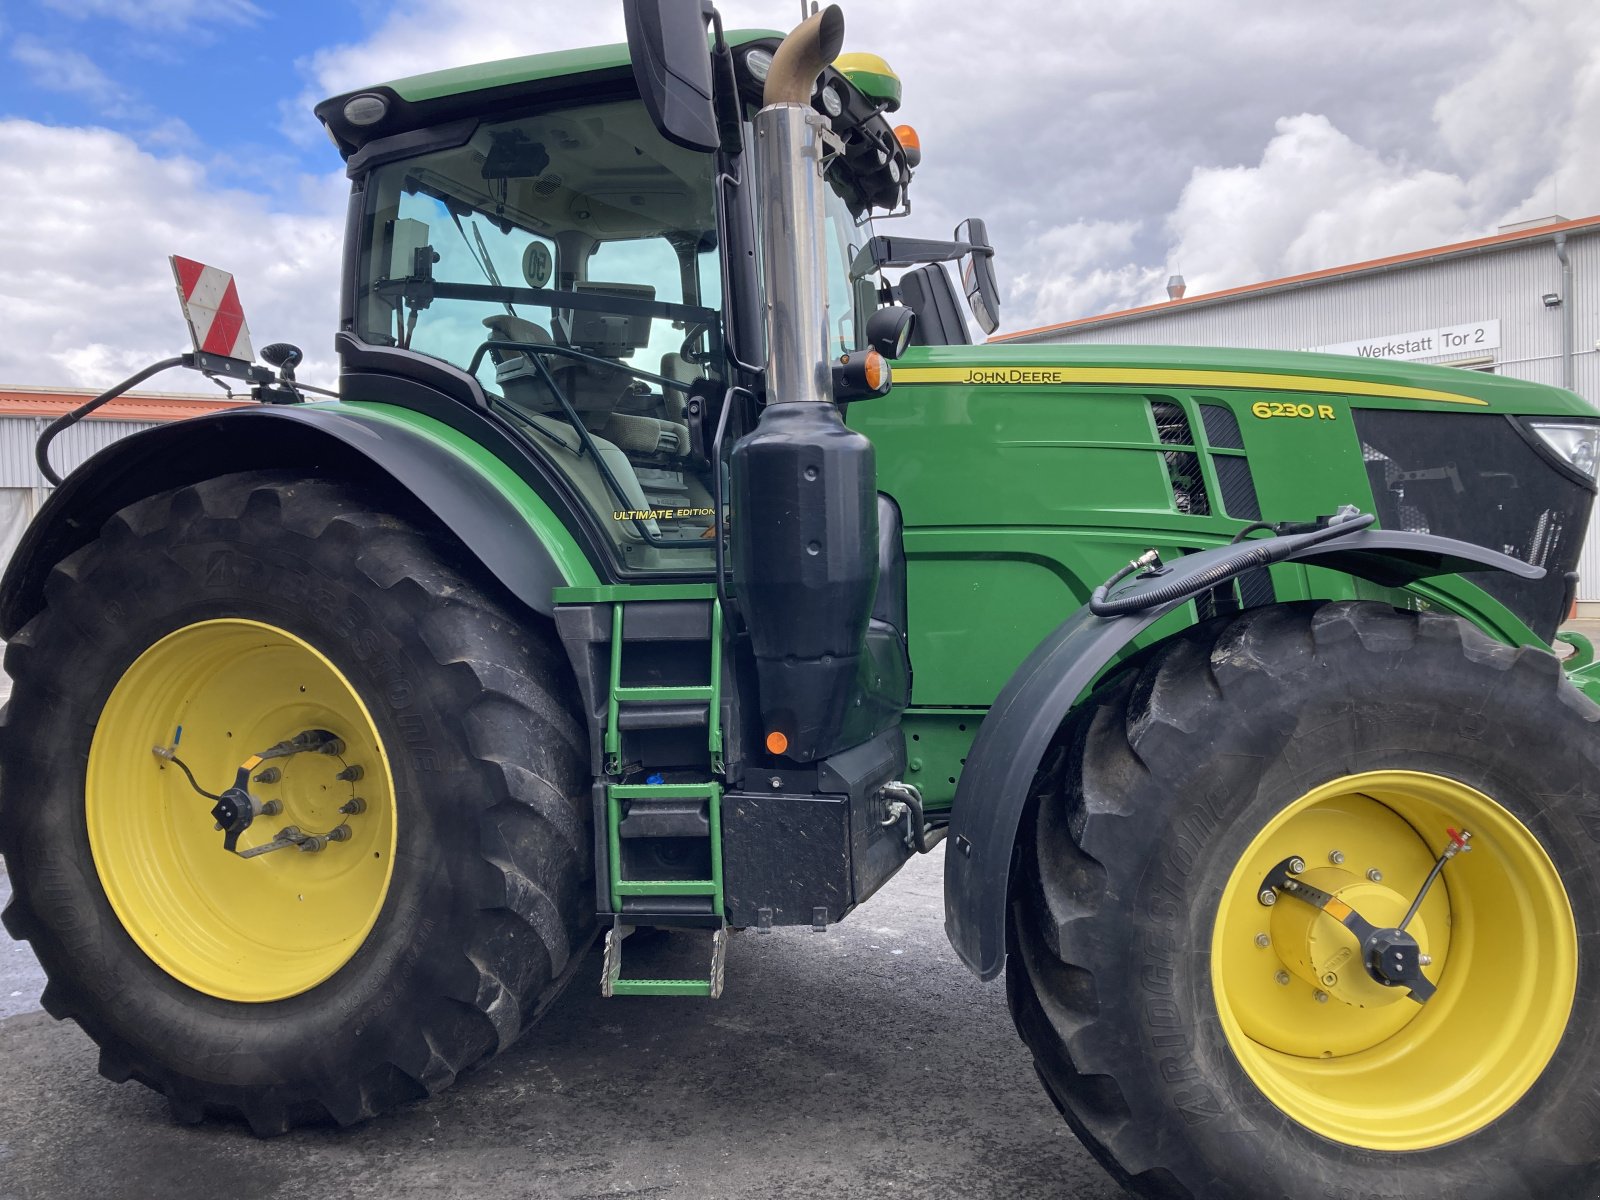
(1475, 337)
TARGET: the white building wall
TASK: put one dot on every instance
(1505, 282)
(22, 488)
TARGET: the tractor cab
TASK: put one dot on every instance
(591, 285)
(568, 261)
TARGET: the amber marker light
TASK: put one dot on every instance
(910, 143)
(777, 743)
(877, 369)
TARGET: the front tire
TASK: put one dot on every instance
(294, 986)
(1205, 1045)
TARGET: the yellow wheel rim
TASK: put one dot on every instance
(258, 929)
(1363, 1064)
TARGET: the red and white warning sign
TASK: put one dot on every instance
(211, 306)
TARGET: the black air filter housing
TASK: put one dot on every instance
(805, 566)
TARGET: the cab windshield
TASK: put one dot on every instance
(568, 260)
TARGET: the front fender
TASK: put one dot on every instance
(1012, 740)
(492, 511)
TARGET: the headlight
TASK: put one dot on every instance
(365, 110)
(832, 102)
(758, 63)
(1578, 444)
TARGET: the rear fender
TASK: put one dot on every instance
(1024, 718)
(494, 513)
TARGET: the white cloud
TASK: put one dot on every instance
(168, 16)
(1315, 199)
(87, 296)
(1082, 267)
(58, 69)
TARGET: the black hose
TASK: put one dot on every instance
(1256, 554)
(41, 449)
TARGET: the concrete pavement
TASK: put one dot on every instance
(864, 1063)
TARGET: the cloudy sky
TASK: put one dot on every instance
(1108, 145)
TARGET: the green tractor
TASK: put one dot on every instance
(343, 729)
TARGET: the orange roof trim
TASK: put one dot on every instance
(1372, 264)
(135, 406)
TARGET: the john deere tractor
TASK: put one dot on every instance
(626, 584)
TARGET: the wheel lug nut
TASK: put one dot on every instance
(1297, 866)
(272, 808)
(269, 775)
(353, 806)
(1283, 978)
(1425, 960)
(1375, 875)
(351, 773)
(1322, 997)
(1263, 940)
(1336, 857)
(1268, 897)
(339, 833)
(333, 747)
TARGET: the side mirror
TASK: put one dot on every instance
(889, 330)
(977, 274)
(672, 67)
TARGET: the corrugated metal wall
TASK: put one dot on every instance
(1505, 283)
(18, 435)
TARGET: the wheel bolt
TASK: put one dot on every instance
(1336, 857)
(333, 747)
(269, 775)
(272, 808)
(1425, 960)
(1268, 897)
(1297, 866)
(1263, 940)
(1283, 978)
(1375, 875)
(313, 845)
(353, 806)
(351, 773)
(339, 833)
(1322, 997)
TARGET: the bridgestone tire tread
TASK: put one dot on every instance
(1074, 929)
(521, 896)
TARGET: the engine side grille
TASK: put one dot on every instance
(1238, 487)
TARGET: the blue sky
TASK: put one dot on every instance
(208, 77)
(1106, 145)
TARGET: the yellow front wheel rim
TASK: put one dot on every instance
(258, 929)
(1355, 1062)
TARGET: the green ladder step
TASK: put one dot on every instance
(612, 983)
(711, 791)
(708, 693)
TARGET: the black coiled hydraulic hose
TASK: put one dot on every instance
(1255, 554)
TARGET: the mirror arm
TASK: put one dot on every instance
(725, 91)
(882, 251)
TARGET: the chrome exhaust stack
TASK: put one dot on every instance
(788, 151)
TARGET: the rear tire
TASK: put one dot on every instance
(485, 910)
(1122, 974)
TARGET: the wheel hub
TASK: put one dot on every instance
(1324, 954)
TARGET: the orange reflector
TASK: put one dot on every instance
(910, 143)
(877, 369)
(776, 742)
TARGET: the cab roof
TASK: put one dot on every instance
(428, 99)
